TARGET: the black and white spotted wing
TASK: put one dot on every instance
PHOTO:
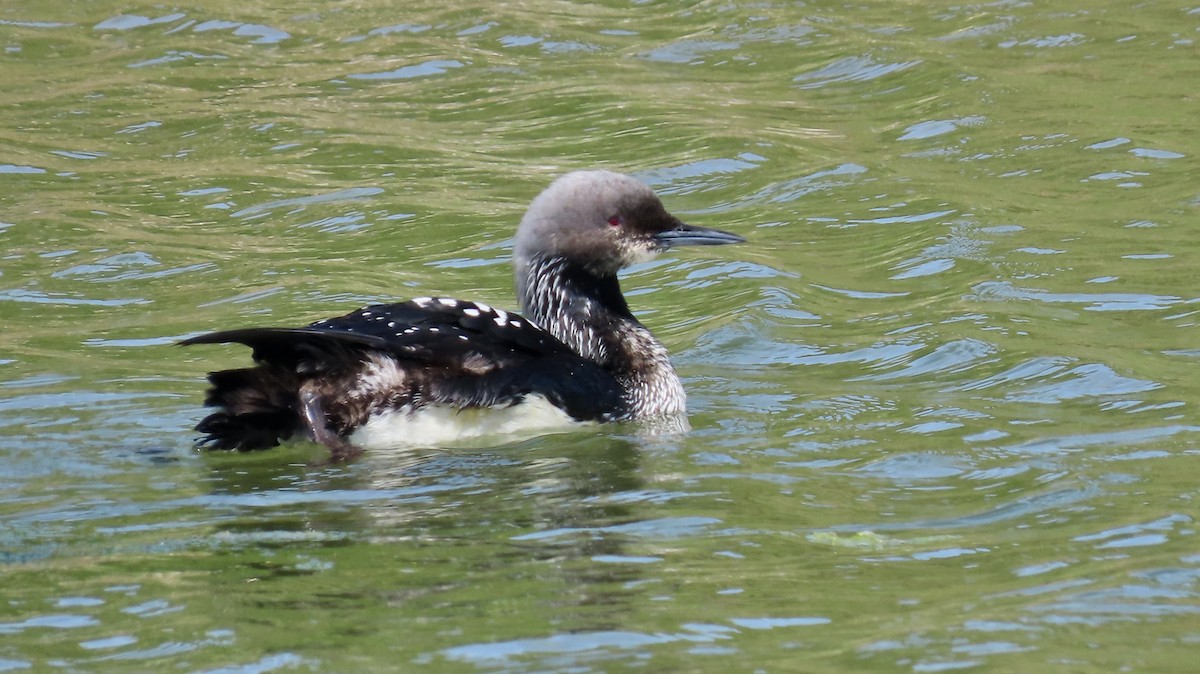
(443, 329)
(455, 352)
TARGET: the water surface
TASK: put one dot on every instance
(942, 399)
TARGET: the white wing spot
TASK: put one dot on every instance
(515, 324)
(473, 313)
(422, 301)
(433, 330)
(501, 317)
(391, 324)
(483, 307)
(447, 302)
(366, 314)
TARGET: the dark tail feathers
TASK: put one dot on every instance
(257, 409)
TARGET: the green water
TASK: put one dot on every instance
(943, 399)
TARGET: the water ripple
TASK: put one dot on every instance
(670, 527)
(851, 69)
(689, 51)
(955, 356)
(133, 21)
(1003, 290)
(38, 297)
(351, 194)
(939, 127)
(424, 69)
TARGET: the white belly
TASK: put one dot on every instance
(442, 425)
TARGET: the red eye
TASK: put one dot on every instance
(615, 221)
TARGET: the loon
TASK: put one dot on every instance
(433, 370)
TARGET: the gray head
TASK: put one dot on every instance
(603, 221)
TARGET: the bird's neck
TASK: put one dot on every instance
(587, 312)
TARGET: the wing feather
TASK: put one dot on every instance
(447, 351)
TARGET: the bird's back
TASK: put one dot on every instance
(425, 368)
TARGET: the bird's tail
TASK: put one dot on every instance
(257, 408)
